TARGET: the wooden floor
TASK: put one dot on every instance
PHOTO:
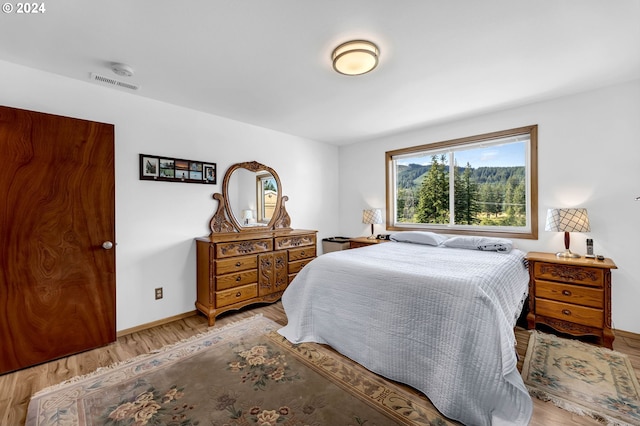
(17, 388)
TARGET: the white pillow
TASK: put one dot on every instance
(418, 237)
(480, 243)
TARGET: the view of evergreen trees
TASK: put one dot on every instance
(269, 185)
(489, 196)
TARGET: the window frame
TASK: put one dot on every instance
(531, 175)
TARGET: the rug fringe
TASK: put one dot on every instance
(599, 417)
(106, 369)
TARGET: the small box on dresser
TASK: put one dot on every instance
(571, 295)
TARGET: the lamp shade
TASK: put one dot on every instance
(567, 220)
(247, 214)
(372, 216)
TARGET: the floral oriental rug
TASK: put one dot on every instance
(582, 378)
(242, 374)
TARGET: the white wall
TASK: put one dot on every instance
(589, 156)
(156, 222)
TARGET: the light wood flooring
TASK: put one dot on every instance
(16, 388)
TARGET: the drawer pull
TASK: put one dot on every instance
(566, 312)
(302, 252)
(238, 278)
(566, 292)
(238, 264)
(238, 294)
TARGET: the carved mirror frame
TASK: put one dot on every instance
(224, 221)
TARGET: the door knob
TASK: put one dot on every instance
(107, 245)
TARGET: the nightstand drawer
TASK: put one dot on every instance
(364, 242)
(235, 295)
(358, 244)
(568, 273)
(571, 313)
(235, 280)
(568, 293)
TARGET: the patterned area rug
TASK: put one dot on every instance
(241, 374)
(582, 378)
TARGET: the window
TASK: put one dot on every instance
(480, 185)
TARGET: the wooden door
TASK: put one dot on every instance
(57, 208)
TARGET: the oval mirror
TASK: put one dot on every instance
(252, 192)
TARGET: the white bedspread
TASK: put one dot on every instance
(438, 319)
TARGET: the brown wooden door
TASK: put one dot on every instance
(57, 207)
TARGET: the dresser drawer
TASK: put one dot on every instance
(572, 313)
(238, 248)
(236, 264)
(294, 241)
(302, 253)
(574, 274)
(235, 295)
(295, 267)
(224, 282)
(579, 295)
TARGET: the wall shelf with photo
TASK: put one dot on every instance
(167, 169)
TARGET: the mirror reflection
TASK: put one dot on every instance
(267, 190)
(252, 197)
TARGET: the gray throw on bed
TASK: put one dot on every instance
(438, 319)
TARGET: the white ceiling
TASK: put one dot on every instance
(267, 62)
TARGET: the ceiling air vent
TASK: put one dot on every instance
(108, 81)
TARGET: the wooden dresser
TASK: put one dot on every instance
(238, 269)
(572, 296)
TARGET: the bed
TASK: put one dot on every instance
(437, 318)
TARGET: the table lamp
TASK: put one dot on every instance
(372, 216)
(567, 220)
(247, 215)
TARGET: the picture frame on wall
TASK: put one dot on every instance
(149, 166)
(167, 169)
(210, 173)
(195, 171)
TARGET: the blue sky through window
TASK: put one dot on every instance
(506, 155)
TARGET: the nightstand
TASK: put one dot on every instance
(572, 296)
(363, 242)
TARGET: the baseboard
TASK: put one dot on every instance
(156, 323)
(167, 320)
(627, 334)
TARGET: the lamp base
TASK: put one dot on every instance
(567, 254)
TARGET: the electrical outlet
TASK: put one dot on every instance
(158, 293)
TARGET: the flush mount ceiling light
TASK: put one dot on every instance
(355, 57)
(123, 70)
